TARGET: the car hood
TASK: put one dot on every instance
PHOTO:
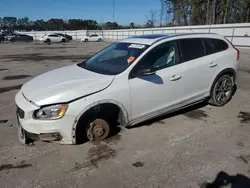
(64, 84)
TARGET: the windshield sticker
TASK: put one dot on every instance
(139, 46)
(131, 59)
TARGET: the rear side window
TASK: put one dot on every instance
(191, 49)
(210, 49)
(52, 35)
(220, 45)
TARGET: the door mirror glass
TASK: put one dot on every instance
(145, 72)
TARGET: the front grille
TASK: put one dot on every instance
(20, 112)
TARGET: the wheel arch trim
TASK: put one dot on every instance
(122, 108)
(224, 71)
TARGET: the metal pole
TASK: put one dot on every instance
(232, 35)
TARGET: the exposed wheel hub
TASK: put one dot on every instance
(98, 130)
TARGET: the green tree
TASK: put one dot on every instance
(132, 25)
(110, 25)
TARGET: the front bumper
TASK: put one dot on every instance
(43, 128)
(42, 136)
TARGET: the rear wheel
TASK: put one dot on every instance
(99, 40)
(63, 40)
(222, 90)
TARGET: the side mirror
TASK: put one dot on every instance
(146, 72)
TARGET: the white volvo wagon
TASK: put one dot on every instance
(130, 81)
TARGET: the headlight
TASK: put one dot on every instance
(51, 112)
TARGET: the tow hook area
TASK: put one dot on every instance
(98, 130)
(50, 137)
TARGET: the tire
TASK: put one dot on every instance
(86, 40)
(99, 40)
(22, 136)
(63, 40)
(222, 90)
(47, 41)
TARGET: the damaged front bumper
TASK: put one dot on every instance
(48, 130)
(44, 136)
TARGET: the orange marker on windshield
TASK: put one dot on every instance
(131, 59)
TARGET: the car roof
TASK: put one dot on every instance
(151, 39)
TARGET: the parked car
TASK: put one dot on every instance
(2, 37)
(20, 37)
(8, 36)
(68, 37)
(52, 38)
(130, 81)
(92, 38)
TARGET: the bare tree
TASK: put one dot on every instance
(207, 14)
(226, 11)
(214, 10)
(151, 22)
(162, 11)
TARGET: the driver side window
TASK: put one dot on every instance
(162, 56)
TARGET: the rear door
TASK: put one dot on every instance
(23, 38)
(197, 69)
(94, 38)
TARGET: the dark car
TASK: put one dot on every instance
(68, 37)
(1, 37)
(20, 37)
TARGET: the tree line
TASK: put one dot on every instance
(170, 13)
(204, 12)
(13, 23)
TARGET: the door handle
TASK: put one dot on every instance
(175, 77)
(213, 64)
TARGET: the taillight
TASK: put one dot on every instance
(238, 51)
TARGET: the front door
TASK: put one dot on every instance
(181, 77)
(152, 93)
(92, 38)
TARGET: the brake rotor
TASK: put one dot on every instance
(99, 130)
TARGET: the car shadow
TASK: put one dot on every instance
(186, 111)
(41, 57)
(224, 179)
(190, 112)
